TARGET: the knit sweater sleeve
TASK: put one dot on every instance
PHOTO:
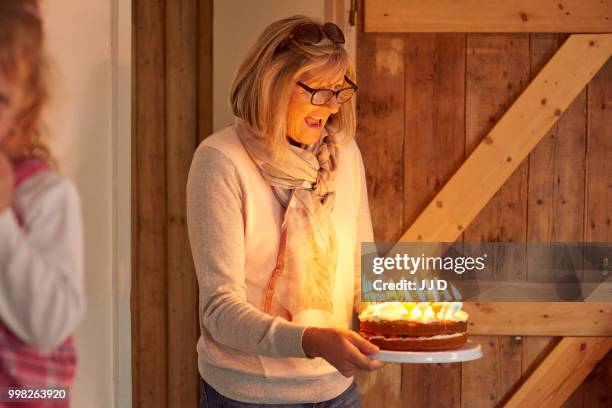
(215, 221)
(364, 231)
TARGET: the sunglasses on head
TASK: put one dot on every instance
(312, 33)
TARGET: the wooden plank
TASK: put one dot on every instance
(540, 318)
(556, 192)
(556, 164)
(431, 385)
(205, 68)
(561, 372)
(597, 390)
(334, 11)
(483, 16)
(149, 296)
(599, 166)
(181, 138)
(497, 70)
(557, 169)
(486, 381)
(575, 399)
(380, 120)
(379, 135)
(205, 72)
(511, 139)
(434, 129)
(434, 111)
(535, 350)
(380, 388)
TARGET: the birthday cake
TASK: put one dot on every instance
(410, 326)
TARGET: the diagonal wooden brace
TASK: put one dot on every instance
(563, 370)
(511, 139)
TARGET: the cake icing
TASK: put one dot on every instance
(407, 338)
(422, 312)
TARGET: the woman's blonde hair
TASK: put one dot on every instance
(22, 59)
(263, 84)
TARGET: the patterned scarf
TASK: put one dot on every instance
(301, 286)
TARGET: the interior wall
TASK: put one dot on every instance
(121, 54)
(89, 125)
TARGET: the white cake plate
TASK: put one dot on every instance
(469, 351)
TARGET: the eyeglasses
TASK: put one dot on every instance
(323, 96)
(311, 33)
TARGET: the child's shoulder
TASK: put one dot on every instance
(26, 168)
(38, 184)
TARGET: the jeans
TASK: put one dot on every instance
(209, 398)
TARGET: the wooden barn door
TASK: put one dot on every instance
(172, 112)
(426, 101)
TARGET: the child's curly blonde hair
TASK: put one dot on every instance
(22, 59)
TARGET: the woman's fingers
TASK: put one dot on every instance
(362, 344)
(344, 349)
(361, 361)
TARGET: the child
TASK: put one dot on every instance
(41, 294)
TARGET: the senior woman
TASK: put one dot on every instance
(276, 209)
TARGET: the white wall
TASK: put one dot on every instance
(88, 42)
(122, 141)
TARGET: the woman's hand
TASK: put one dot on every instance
(7, 180)
(344, 349)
